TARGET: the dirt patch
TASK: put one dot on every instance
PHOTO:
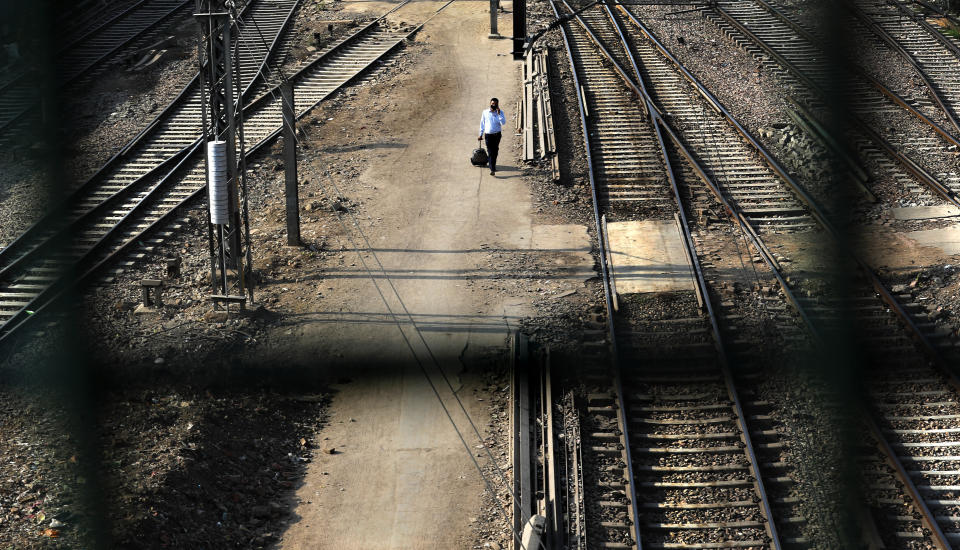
(890, 249)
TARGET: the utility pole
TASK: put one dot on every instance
(219, 100)
(519, 27)
(493, 19)
(290, 160)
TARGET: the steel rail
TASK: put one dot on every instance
(149, 28)
(920, 20)
(59, 210)
(275, 92)
(581, 101)
(917, 335)
(949, 16)
(926, 516)
(607, 292)
(41, 227)
(806, 120)
(57, 291)
(14, 79)
(908, 163)
(100, 26)
(653, 113)
(914, 332)
(194, 153)
(258, 78)
(941, 366)
(768, 158)
(96, 63)
(97, 26)
(884, 35)
(814, 207)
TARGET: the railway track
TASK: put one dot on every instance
(937, 338)
(752, 185)
(900, 344)
(172, 135)
(934, 57)
(894, 329)
(882, 123)
(915, 412)
(18, 97)
(71, 25)
(625, 157)
(94, 239)
(668, 451)
(82, 18)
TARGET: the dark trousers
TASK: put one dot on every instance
(493, 147)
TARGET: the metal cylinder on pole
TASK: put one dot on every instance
(493, 19)
(290, 161)
(217, 180)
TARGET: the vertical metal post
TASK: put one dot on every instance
(201, 55)
(519, 27)
(290, 160)
(550, 460)
(233, 195)
(520, 442)
(246, 274)
(525, 473)
(215, 37)
(493, 19)
(219, 101)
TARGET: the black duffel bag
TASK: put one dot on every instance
(479, 157)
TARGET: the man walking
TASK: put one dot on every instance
(491, 124)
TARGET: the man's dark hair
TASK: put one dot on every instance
(494, 99)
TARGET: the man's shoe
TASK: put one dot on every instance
(493, 172)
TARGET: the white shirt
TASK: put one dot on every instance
(490, 122)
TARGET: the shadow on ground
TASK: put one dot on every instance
(205, 469)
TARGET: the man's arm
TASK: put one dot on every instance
(501, 116)
(483, 120)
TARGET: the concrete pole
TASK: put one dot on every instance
(290, 161)
(493, 19)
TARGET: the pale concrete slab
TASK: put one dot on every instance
(560, 238)
(548, 238)
(926, 212)
(649, 256)
(946, 239)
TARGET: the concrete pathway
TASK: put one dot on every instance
(400, 478)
